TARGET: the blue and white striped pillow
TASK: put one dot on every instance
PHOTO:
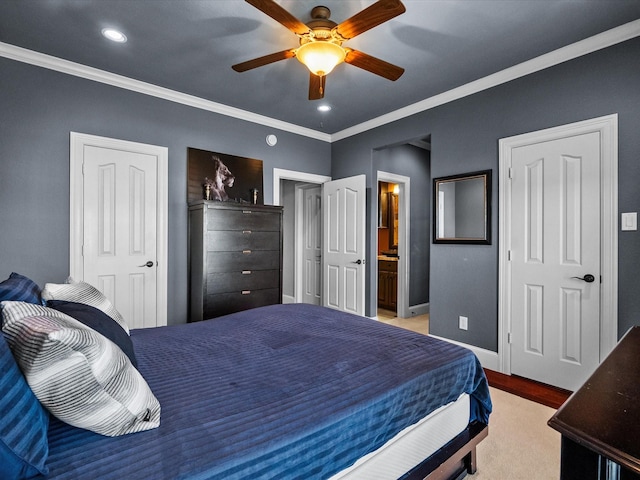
(80, 376)
(82, 292)
(20, 289)
(23, 423)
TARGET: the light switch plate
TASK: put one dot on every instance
(629, 221)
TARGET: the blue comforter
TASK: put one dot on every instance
(286, 391)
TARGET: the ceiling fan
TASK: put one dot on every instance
(321, 41)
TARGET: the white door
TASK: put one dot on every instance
(344, 212)
(121, 237)
(555, 260)
(312, 244)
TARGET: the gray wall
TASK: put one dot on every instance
(464, 138)
(412, 162)
(40, 107)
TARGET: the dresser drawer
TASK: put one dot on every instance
(242, 280)
(222, 241)
(243, 260)
(243, 219)
(225, 303)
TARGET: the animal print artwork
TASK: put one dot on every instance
(223, 178)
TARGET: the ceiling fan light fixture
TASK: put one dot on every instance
(320, 57)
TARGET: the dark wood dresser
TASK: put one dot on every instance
(235, 257)
(600, 423)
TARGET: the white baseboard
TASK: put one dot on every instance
(488, 359)
(288, 299)
(420, 309)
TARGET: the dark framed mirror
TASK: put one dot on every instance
(462, 208)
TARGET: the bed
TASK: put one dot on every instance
(290, 391)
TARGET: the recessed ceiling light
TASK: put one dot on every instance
(114, 35)
(324, 108)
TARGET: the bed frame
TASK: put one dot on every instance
(454, 460)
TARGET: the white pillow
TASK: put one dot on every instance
(80, 376)
(82, 292)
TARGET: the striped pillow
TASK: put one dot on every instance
(23, 423)
(77, 374)
(81, 292)
(19, 288)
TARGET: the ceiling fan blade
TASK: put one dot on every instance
(316, 86)
(379, 12)
(280, 15)
(373, 65)
(266, 60)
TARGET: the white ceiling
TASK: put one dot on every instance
(189, 46)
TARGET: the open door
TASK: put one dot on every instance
(308, 280)
(344, 216)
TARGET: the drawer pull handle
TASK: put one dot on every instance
(246, 272)
(246, 252)
(246, 211)
(246, 292)
(246, 232)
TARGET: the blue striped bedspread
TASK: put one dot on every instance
(279, 392)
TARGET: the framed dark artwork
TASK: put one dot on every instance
(225, 178)
(462, 208)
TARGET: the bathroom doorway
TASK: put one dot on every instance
(403, 175)
(392, 249)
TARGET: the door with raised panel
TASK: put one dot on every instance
(343, 204)
(312, 245)
(119, 239)
(555, 260)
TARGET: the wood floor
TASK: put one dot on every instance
(538, 392)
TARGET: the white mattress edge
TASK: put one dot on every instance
(412, 445)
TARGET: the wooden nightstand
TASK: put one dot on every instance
(600, 423)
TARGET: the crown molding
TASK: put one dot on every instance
(90, 73)
(583, 47)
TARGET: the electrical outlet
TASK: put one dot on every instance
(463, 323)
(629, 221)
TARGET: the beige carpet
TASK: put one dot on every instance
(520, 445)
